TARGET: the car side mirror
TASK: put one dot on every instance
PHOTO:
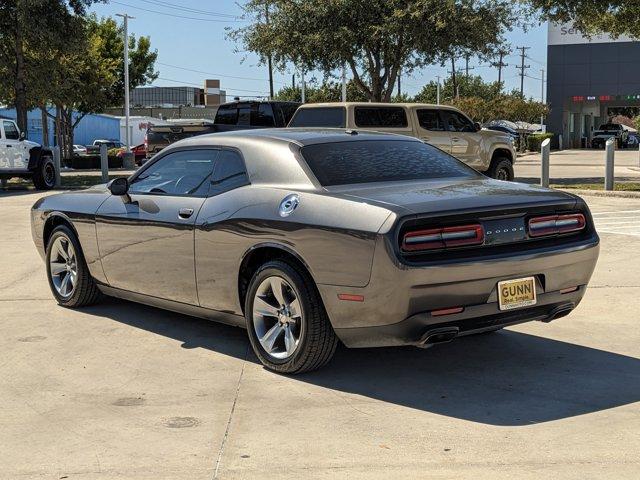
(478, 126)
(23, 136)
(119, 186)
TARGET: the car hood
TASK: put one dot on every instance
(450, 195)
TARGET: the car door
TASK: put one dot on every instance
(16, 153)
(465, 139)
(217, 245)
(146, 238)
(431, 129)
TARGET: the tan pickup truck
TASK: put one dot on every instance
(445, 127)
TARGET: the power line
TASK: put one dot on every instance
(198, 85)
(536, 61)
(173, 15)
(500, 64)
(161, 3)
(215, 74)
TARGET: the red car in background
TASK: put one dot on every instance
(139, 152)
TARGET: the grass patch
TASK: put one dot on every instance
(617, 187)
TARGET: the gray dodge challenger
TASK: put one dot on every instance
(308, 237)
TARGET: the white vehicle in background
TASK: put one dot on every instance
(24, 159)
(79, 150)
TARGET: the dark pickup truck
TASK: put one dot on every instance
(241, 115)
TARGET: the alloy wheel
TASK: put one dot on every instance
(63, 266)
(277, 317)
(49, 174)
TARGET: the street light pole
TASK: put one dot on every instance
(542, 99)
(127, 136)
(438, 91)
(344, 83)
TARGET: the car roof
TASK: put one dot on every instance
(376, 104)
(298, 136)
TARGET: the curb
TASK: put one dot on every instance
(600, 193)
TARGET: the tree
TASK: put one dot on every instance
(326, 92)
(374, 38)
(26, 25)
(468, 86)
(616, 17)
(88, 75)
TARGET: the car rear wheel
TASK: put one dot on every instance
(68, 274)
(44, 178)
(501, 169)
(287, 324)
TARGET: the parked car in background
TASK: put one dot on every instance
(239, 115)
(444, 127)
(607, 131)
(94, 149)
(24, 159)
(79, 150)
(139, 153)
(307, 236)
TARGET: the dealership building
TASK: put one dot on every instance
(589, 81)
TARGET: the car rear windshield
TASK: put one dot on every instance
(370, 161)
(328, 117)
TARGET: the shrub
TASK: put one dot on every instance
(534, 141)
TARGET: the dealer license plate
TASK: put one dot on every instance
(517, 293)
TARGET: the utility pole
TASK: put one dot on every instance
(399, 77)
(344, 82)
(438, 91)
(127, 136)
(302, 85)
(466, 65)
(266, 19)
(542, 128)
(500, 64)
(522, 67)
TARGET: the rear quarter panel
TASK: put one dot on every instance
(334, 237)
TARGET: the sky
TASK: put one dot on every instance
(192, 44)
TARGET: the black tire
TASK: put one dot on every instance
(317, 342)
(85, 291)
(44, 177)
(501, 169)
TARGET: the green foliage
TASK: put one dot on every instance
(375, 39)
(319, 93)
(617, 17)
(468, 86)
(534, 141)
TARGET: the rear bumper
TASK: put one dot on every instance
(399, 298)
(419, 329)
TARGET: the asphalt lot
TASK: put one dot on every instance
(123, 391)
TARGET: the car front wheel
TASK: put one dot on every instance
(68, 274)
(501, 169)
(287, 324)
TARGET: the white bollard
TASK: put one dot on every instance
(610, 152)
(56, 165)
(545, 152)
(104, 163)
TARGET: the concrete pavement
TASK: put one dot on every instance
(124, 391)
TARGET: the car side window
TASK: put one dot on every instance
(386, 117)
(10, 130)
(227, 115)
(262, 116)
(456, 122)
(244, 115)
(185, 172)
(228, 173)
(430, 120)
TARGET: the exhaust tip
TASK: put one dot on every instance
(438, 335)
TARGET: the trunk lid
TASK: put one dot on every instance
(447, 195)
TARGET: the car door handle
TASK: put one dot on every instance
(9, 146)
(185, 212)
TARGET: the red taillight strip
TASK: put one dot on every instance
(443, 238)
(554, 224)
(446, 311)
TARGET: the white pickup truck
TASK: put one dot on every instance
(24, 159)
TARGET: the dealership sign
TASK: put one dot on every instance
(567, 34)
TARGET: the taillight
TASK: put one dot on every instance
(555, 224)
(446, 237)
